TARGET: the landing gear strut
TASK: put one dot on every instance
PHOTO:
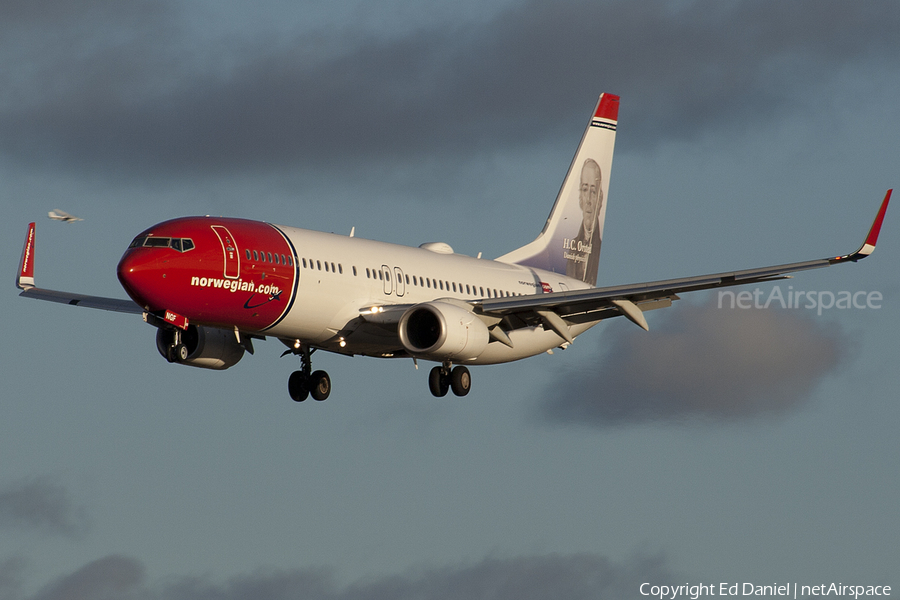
(443, 378)
(304, 383)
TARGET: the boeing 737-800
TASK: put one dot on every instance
(211, 285)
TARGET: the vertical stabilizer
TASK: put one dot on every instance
(571, 238)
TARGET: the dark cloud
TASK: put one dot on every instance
(22, 12)
(11, 577)
(700, 363)
(133, 97)
(574, 577)
(110, 578)
(41, 505)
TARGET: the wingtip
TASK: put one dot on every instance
(25, 275)
(872, 237)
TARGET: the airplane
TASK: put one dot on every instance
(59, 215)
(212, 285)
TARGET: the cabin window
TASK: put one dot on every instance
(354, 271)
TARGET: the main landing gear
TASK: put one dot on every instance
(443, 378)
(304, 383)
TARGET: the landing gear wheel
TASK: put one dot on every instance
(297, 386)
(181, 352)
(319, 385)
(460, 381)
(438, 383)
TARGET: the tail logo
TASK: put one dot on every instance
(582, 253)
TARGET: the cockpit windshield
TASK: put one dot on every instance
(151, 241)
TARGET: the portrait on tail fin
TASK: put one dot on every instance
(570, 242)
(583, 252)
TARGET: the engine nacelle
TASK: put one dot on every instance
(208, 347)
(443, 331)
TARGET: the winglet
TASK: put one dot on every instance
(869, 245)
(25, 276)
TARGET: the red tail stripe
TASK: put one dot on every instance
(608, 108)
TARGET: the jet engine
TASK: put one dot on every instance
(442, 331)
(207, 347)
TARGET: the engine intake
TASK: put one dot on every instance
(442, 331)
(208, 347)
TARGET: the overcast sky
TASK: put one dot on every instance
(743, 445)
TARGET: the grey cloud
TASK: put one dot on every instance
(41, 505)
(574, 577)
(11, 576)
(109, 578)
(50, 12)
(681, 69)
(699, 363)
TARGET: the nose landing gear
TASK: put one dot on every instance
(443, 378)
(304, 383)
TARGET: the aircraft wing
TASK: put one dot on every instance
(582, 306)
(113, 304)
(25, 282)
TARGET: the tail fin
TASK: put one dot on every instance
(570, 240)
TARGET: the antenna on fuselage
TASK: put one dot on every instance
(352, 231)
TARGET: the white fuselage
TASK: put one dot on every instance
(339, 276)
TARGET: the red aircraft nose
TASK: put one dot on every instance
(139, 274)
